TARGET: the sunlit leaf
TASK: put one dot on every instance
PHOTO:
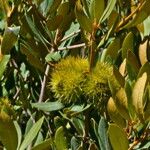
(114, 114)
(145, 68)
(143, 52)
(137, 95)
(31, 134)
(122, 103)
(60, 139)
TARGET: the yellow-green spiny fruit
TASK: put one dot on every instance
(70, 81)
(96, 88)
(68, 78)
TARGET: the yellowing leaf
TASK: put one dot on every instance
(122, 103)
(143, 52)
(114, 114)
(137, 95)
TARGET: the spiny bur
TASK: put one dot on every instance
(71, 82)
(68, 78)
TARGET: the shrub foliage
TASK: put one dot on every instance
(74, 74)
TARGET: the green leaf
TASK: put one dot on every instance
(108, 10)
(29, 123)
(45, 145)
(49, 106)
(137, 95)
(78, 124)
(95, 127)
(60, 139)
(39, 139)
(118, 76)
(122, 103)
(96, 9)
(8, 134)
(83, 20)
(53, 25)
(3, 63)
(75, 143)
(54, 56)
(19, 133)
(66, 22)
(113, 49)
(132, 59)
(102, 132)
(63, 9)
(9, 39)
(78, 109)
(118, 138)
(33, 60)
(128, 90)
(32, 134)
(54, 6)
(34, 29)
(127, 44)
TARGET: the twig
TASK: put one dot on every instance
(44, 84)
(125, 20)
(17, 93)
(72, 47)
(70, 35)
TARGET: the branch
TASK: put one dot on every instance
(72, 47)
(44, 84)
(125, 20)
(70, 35)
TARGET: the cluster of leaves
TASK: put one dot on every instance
(35, 35)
